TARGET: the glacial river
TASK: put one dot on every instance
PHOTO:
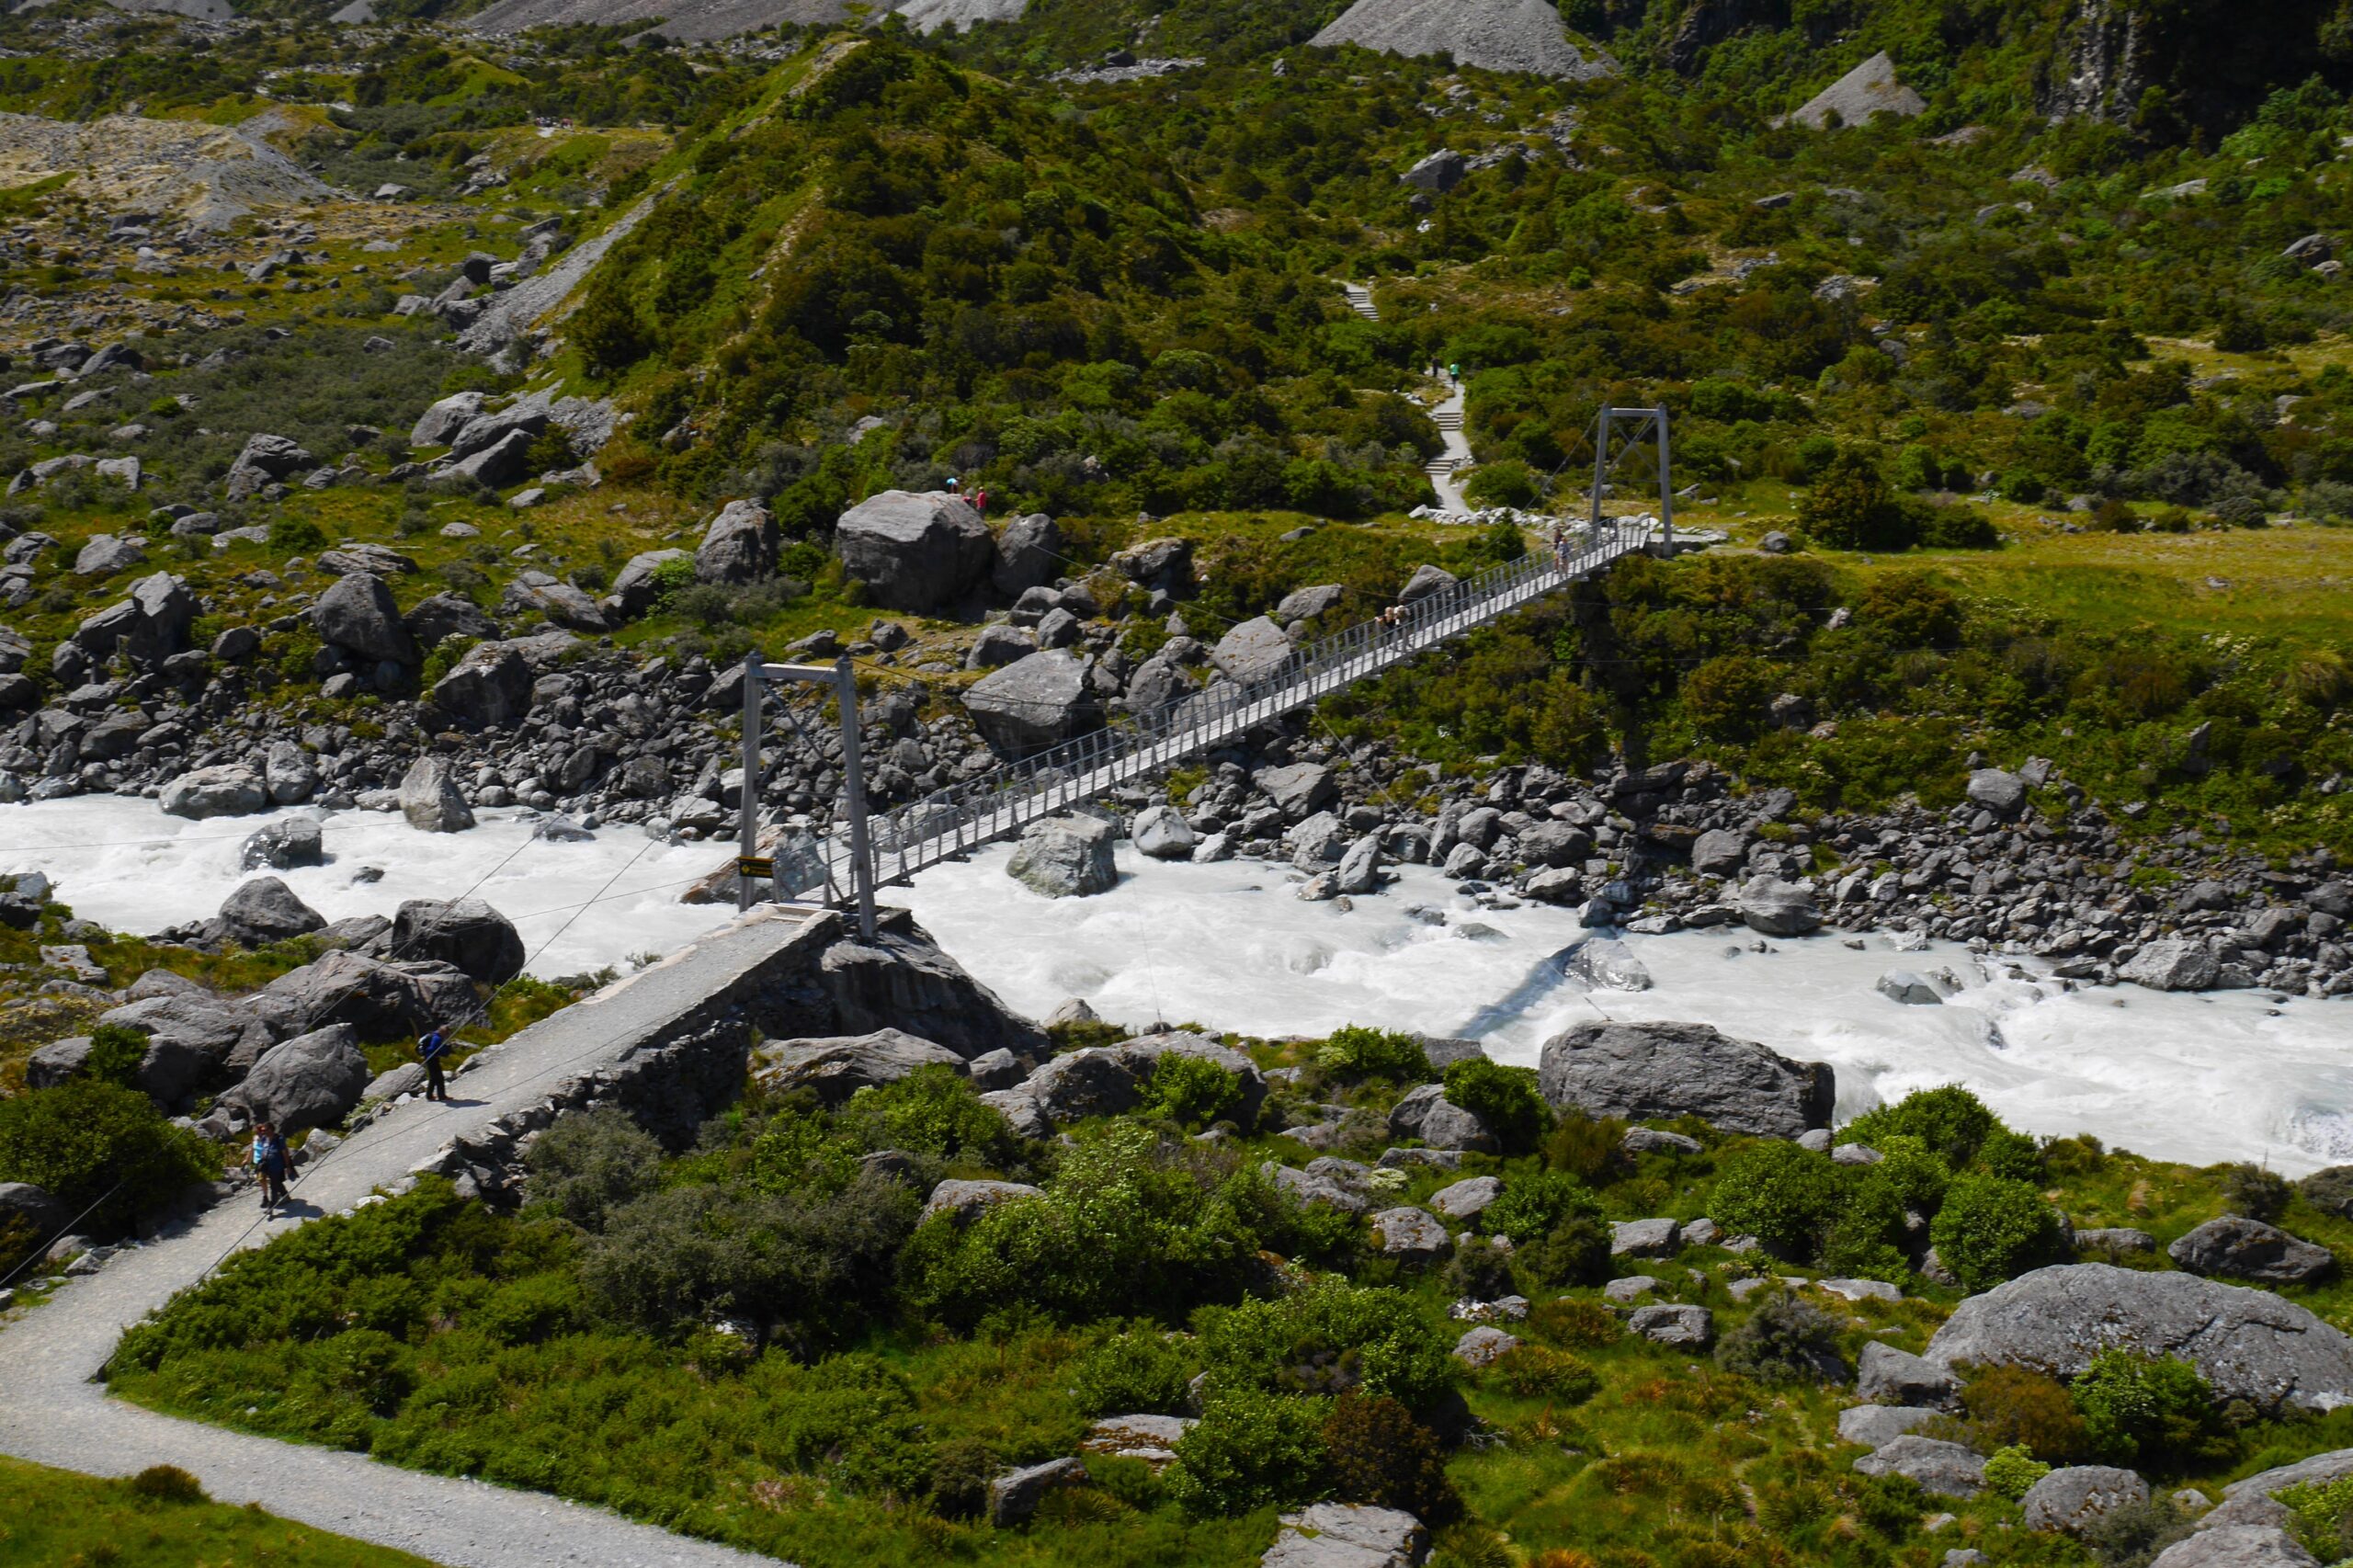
(2226, 1076)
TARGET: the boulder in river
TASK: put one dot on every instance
(1653, 1071)
(429, 797)
(2174, 963)
(2248, 1343)
(229, 789)
(1162, 833)
(1066, 856)
(283, 845)
(1775, 908)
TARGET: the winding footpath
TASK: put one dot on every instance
(1448, 416)
(55, 1410)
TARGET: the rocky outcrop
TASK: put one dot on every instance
(1494, 35)
(2104, 64)
(2248, 1343)
(2077, 1497)
(915, 553)
(1427, 1114)
(1347, 1534)
(1642, 1072)
(740, 546)
(1869, 90)
(902, 981)
(839, 1066)
(357, 613)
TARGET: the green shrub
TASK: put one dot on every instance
(2321, 1517)
(1330, 1336)
(1536, 1371)
(1575, 1320)
(1377, 1453)
(1506, 1098)
(1356, 1051)
(1992, 1229)
(2010, 1471)
(1504, 483)
(1142, 1370)
(585, 1167)
(935, 1111)
(1532, 1206)
(1191, 1091)
(1250, 1448)
(2153, 1411)
(1588, 1148)
(1785, 1196)
(2253, 1191)
(1479, 1271)
(1783, 1341)
(116, 1053)
(962, 1469)
(87, 1143)
(1915, 1174)
(1949, 1120)
(2330, 1190)
(1575, 1252)
(167, 1483)
(290, 535)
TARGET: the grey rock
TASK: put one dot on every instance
(2002, 793)
(408, 1078)
(289, 773)
(1946, 1469)
(915, 553)
(1254, 651)
(2248, 1343)
(1034, 703)
(1066, 856)
(1299, 789)
(2076, 1497)
(228, 789)
(1692, 1327)
(838, 1066)
(1650, 1140)
(1305, 1188)
(1306, 604)
(1775, 908)
(1014, 1495)
(444, 419)
(2249, 1249)
(1467, 1199)
(1410, 1235)
(994, 1070)
(382, 1000)
(2115, 1238)
(967, 1201)
(1876, 1425)
(997, 646)
(636, 588)
(1426, 582)
(1628, 1288)
(356, 612)
(1028, 554)
(1481, 1346)
(491, 686)
(2172, 964)
(1644, 1072)
(1719, 852)
(1912, 990)
(1347, 1534)
(466, 934)
(1869, 90)
(1426, 1113)
(106, 554)
(1645, 1238)
(313, 1080)
(1890, 1376)
(447, 615)
(429, 798)
(2237, 1546)
(1604, 964)
(54, 1064)
(739, 545)
(265, 910)
(1162, 833)
(1151, 1439)
(21, 1200)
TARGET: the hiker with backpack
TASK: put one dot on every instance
(430, 1051)
(271, 1160)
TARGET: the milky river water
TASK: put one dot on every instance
(2226, 1076)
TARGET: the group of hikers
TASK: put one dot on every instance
(978, 497)
(272, 1160)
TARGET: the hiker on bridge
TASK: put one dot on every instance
(431, 1050)
(270, 1160)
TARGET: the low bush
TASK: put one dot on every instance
(2154, 1412)
(586, 1165)
(2321, 1517)
(1190, 1091)
(1506, 1098)
(167, 1483)
(1575, 1320)
(1479, 1271)
(2010, 1471)
(2013, 1407)
(1377, 1453)
(1139, 1370)
(934, 1111)
(117, 1051)
(1949, 1120)
(1532, 1206)
(1783, 1341)
(1356, 1051)
(1537, 1371)
(1991, 1229)
(1575, 1252)
(2257, 1193)
(2330, 1190)
(1330, 1338)
(1250, 1448)
(100, 1146)
(1591, 1149)
(1785, 1196)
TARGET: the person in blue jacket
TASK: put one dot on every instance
(431, 1051)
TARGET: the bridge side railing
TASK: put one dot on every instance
(966, 816)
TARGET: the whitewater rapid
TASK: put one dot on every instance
(2233, 1076)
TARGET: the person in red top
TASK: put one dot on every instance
(980, 500)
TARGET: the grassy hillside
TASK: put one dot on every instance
(159, 1519)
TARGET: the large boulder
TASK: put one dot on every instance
(636, 588)
(466, 934)
(2249, 1249)
(901, 979)
(1891, 1376)
(356, 612)
(2000, 792)
(1028, 554)
(1410, 1235)
(1107, 1080)
(448, 615)
(1299, 788)
(289, 775)
(2248, 1343)
(1162, 832)
(265, 910)
(313, 1080)
(1347, 1534)
(2237, 1546)
(1426, 1113)
(429, 798)
(838, 1066)
(1642, 1072)
(965, 1201)
(2077, 1497)
(1035, 702)
(1776, 908)
(1254, 651)
(2173, 964)
(228, 789)
(1066, 856)
(1936, 1465)
(915, 553)
(22, 1201)
(1719, 852)
(382, 1000)
(490, 687)
(283, 845)
(441, 421)
(740, 545)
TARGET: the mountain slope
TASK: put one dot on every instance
(1494, 35)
